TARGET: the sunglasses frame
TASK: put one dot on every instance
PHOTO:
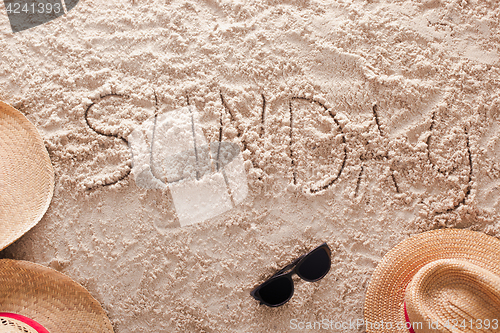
(288, 271)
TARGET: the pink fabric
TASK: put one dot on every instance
(408, 320)
(39, 328)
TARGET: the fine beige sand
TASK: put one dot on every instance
(359, 123)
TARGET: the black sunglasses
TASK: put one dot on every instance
(278, 289)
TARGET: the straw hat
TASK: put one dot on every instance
(35, 298)
(438, 281)
(26, 175)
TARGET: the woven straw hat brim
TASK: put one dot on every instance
(26, 175)
(452, 290)
(8, 325)
(50, 298)
(386, 291)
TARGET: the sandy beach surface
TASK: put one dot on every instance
(359, 123)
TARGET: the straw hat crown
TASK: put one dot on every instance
(438, 281)
(455, 292)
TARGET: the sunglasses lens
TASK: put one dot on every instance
(315, 266)
(277, 291)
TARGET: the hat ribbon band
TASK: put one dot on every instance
(407, 318)
(28, 321)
